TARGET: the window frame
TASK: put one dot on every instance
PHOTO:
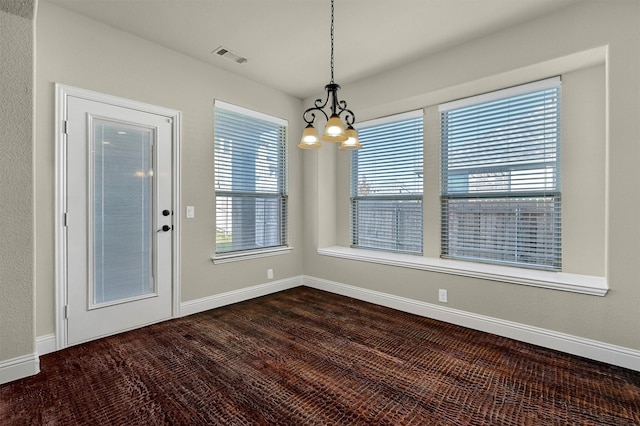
(280, 193)
(498, 191)
(392, 201)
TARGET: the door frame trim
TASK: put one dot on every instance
(62, 93)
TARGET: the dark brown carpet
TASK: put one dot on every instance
(306, 357)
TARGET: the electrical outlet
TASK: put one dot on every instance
(442, 295)
(269, 274)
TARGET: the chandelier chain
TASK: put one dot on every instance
(332, 42)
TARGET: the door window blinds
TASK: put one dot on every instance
(500, 177)
(250, 179)
(386, 185)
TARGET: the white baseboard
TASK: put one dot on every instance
(592, 349)
(46, 344)
(19, 368)
(235, 296)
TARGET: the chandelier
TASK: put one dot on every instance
(335, 130)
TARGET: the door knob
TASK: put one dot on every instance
(164, 228)
(166, 212)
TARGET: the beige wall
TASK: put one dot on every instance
(79, 52)
(17, 323)
(594, 46)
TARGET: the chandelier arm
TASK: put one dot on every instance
(313, 116)
(349, 116)
(319, 106)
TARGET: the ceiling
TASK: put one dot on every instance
(287, 42)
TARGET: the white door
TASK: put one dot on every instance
(118, 219)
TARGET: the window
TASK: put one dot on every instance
(250, 179)
(386, 185)
(500, 177)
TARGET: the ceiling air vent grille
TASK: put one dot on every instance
(227, 54)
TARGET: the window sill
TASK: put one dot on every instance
(250, 254)
(585, 284)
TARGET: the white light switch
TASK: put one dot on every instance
(191, 212)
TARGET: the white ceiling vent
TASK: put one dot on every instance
(227, 54)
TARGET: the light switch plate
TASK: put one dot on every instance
(191, 212)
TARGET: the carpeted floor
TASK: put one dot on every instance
(307, 357)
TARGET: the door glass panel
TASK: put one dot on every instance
(122, 212)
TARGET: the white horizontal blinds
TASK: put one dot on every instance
(386, 185)
(250, 180)
(501, 177)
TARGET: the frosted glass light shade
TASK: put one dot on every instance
(352, 142)
(310, 139)
(334, 131)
